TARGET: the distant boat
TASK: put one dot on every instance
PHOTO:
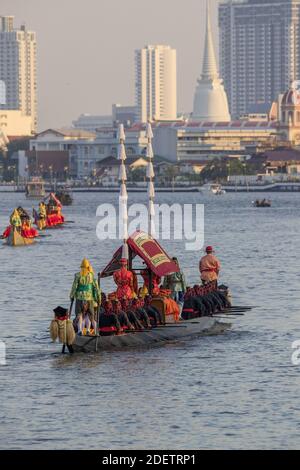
(16, 239)
(217, 189)
(262, 203)
(35, 189)
(64, 195)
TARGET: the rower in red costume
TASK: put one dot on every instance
(28, 231)
(124, 280)
(156, 280)
(54, 215)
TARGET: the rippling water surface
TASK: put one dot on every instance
(238, 390)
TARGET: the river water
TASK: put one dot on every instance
(237, 390)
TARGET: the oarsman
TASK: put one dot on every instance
(136, 307)
(108, 318)
(85, 288)
(132, 317)
(121, 314)
(154, 315)
(209, 266)
(27, 230)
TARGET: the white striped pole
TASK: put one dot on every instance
(123, 197)
(150, 176)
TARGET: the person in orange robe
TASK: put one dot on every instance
(209, 266)
(124, 281)
(171, 307)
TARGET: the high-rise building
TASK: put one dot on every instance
(259, 50)
(18, 69)
(156, 83)
(210, 101)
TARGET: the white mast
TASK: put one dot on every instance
(150, 175)
(123, 198)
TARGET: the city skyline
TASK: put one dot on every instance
(259, 43)
(81, 85)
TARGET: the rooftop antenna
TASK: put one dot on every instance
(123, 197)
(150, 176)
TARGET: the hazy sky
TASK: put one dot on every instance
(86, 49)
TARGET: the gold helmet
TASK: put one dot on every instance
(85, 264)
(86, 267)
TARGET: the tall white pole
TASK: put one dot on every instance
(123, 197)
(150, 176)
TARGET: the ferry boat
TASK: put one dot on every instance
(35, 189)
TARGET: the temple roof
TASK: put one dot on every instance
(210, 100)
(209, 67)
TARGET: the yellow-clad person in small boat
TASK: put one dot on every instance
(42, 221)
(85, 289)
(15, 220)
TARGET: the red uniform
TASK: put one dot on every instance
(29, 232)
(124, 280)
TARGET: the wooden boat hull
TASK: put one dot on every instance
(15, 239)
(156, 337)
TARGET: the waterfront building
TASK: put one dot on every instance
(204, 140)
(85, 149)
(156, 83)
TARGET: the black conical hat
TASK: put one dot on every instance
(60, 311)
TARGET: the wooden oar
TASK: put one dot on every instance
(237, 309)
(228, 315)
(243, 306)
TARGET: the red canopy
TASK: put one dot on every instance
(143, 245)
